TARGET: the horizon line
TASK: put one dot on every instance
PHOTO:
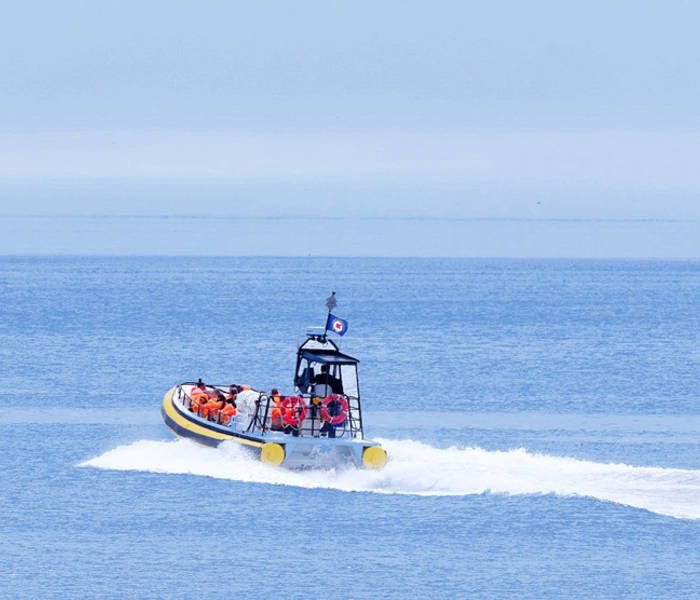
(368, 256)
(225, 217)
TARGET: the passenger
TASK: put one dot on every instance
(204, 409)
(199, 396)
(228, 412)
(276, 423)
(199, 392)
(195, 405)
(214, 406)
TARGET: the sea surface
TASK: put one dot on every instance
(542, 420)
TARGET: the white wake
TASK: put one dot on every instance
(417, 468)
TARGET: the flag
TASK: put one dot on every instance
(336, 324)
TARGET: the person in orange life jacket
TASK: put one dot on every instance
(204, 409)
(214, 406)
(195, 406)
(199, 396)
(276, 416)
(229, 409)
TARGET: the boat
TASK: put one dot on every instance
(318, 425)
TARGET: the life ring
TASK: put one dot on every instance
(338, 419)
(291, 415)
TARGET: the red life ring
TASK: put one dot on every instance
(338, 419)
(290, 415)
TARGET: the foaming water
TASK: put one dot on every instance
(420, 469)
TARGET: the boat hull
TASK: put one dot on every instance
(187, 425)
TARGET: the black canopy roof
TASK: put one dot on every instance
(328, 358)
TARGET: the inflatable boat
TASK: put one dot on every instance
(319, 425)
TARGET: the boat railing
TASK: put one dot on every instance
(313, 424)
(261, 421)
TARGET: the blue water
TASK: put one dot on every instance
(541, 417)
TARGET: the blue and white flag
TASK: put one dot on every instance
(336, 324)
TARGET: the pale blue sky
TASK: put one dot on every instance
(538, 110)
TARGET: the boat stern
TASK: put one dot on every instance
(315, 453)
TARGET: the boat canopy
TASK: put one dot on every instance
(328, 358)
(322, 369)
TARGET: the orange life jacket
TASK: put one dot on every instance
(198, 392)
(227, 412)
(213, 408)
(276, 418)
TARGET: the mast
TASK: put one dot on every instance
(331, 303)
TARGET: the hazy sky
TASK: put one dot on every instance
(538, 110)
